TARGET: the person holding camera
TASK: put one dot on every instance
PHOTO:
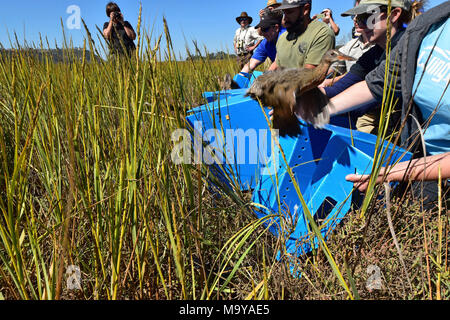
(118, 32)
(327, 17)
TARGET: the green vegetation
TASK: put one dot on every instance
(86, 179)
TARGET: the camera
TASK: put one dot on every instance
(320, 16)
(117, 15)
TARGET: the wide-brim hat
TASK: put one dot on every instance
(289, 4)
(273, 3)
(270, 19)
(244, 15)
(368, 6)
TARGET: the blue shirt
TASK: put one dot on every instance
(430, 96)
(267, 49)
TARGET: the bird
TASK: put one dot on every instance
(294, 90)
(227, 83)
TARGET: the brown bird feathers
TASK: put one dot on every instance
(294, 91)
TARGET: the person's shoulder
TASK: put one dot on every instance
(317, 27)
(262, 47)
(282, 37)
(353, 41)
(254, 31)
(373, 52)
(348, 45)
(368, 60)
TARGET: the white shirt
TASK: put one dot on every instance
(245, 37)
(355, 48)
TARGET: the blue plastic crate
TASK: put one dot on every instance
(246, 82)
(218, 122)
(320, 160)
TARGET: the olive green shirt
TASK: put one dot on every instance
(307, 48)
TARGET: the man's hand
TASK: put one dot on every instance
(250, 48)
(360, 182)
(261, 12)
(328, 15)
(116, 17)
(271, 114)
(327, 83)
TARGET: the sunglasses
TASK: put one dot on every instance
(362, 18)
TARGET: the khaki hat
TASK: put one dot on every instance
(367, 6)
(273, 3)
(244, 15)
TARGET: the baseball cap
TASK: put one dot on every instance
(288, 4)
(366, 6)
(270, 19)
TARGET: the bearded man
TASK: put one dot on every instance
(306, 40)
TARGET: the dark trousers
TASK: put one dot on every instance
(243, 59)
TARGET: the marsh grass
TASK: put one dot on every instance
(87, 180)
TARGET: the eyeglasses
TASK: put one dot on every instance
(361, 19)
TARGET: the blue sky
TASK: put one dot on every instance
(209, 22)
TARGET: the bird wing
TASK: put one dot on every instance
(314, 107)
(269, 84)
(275, 90)
(261, 85)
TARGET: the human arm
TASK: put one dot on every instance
(253, 37)
(108, 27)
(369, 90)
(309, 66)
(330, 82)
(252, 65)
(333, 24)
(324, 40)
(418, 169)
(334, 86)
(129, 30)
(261, 12)
(251, 48)
(357, 95)
(273, 66)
